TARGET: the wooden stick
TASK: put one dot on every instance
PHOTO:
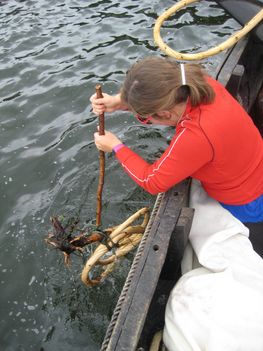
(102, 162)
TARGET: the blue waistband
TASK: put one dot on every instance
(251, 212)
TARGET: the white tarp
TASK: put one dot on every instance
(217, 306)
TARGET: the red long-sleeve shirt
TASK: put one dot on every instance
(215, 143)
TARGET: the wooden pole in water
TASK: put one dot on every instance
(102, 162)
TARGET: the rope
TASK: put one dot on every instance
(122, 240)
(201, 55)
(156, 344)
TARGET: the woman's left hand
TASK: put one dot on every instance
(106, 142)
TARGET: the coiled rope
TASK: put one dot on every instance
(122, 239)
(201, 55)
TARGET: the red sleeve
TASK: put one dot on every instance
(187, 152)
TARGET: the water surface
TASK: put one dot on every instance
(52, 55)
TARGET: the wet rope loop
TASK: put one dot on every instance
(201, 55)
(122, 240)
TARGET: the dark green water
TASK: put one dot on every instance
(52, 54)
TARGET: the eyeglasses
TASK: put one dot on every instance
(144, 120)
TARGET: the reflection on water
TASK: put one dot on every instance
(52, 56)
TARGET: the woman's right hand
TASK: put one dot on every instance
(107, 141)
(109, 103)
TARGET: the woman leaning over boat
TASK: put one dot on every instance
(215, 140)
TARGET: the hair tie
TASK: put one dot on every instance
(183, 73)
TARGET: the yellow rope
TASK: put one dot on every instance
(201, 55)
(156, 341)
(125, 237)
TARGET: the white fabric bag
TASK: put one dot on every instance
(219, 305)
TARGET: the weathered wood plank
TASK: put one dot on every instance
(133, 311)
(233, 58)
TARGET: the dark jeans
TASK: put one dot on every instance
(256, 236)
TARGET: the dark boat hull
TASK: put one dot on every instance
(243, 11)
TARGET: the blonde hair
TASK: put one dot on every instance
(155, 84)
